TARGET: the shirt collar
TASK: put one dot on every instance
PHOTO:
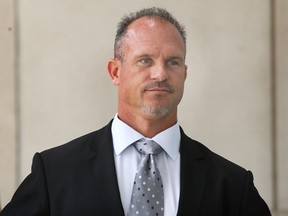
(123, 136)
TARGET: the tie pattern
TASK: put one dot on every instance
(147, 196)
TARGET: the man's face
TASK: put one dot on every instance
(151, 76)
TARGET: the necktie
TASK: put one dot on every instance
(147, 196)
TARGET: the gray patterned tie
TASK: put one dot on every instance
(147, 196)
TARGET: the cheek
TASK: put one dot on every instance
(178, 81)
(130, 87)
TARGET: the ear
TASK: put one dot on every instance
(114, 70)
(186, 68)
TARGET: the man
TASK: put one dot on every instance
(97, 174)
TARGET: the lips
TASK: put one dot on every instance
(157, 89)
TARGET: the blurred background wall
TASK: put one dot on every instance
(54, 85)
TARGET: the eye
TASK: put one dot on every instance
(173, 62)
(146, 61)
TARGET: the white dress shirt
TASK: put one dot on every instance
(127, 159)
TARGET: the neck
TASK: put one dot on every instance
(146, 125)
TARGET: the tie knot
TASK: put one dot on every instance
(145, 147)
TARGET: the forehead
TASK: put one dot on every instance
(148, 22)
(153, 32)
(151, 25)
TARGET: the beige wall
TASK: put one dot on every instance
(7, 102)
(282, 102)
(227, 101)
(64, 90)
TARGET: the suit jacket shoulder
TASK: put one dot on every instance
(77, 178)
(215, 161)
(81, 145)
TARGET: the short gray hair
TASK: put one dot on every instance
(154, 12)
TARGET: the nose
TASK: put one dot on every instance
(159, 73)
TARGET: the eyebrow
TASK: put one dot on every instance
(144, 56)
(180, 58)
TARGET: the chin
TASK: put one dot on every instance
(155, 111)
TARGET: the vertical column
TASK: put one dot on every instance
(282, 103)
(7, 102)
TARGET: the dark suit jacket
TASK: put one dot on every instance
(79, 178)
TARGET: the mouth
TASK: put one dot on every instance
(159, 90)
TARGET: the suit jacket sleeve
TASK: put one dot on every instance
(31, 198)
(252, 203)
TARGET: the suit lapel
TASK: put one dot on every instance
(102, 166)
(193, 173)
